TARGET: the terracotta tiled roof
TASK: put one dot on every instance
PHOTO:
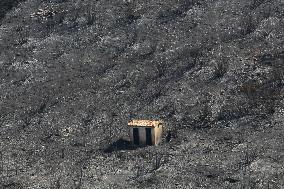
(145, 123)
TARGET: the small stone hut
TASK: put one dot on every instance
(145, 132)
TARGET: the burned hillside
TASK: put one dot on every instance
(74, 72)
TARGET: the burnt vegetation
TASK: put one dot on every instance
(73, 72)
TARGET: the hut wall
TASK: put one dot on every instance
(142, 135)
(158, 134)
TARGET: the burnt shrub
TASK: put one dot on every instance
(7, 5)
(220, 68)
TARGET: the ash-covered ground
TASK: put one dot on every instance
(73, 72)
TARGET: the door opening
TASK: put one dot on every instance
(136, 136)
(148, 136)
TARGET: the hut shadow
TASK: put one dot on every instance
(120, 144)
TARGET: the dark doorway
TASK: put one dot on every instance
(148, 136)
(136, 136)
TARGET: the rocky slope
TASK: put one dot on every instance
(73, 72)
